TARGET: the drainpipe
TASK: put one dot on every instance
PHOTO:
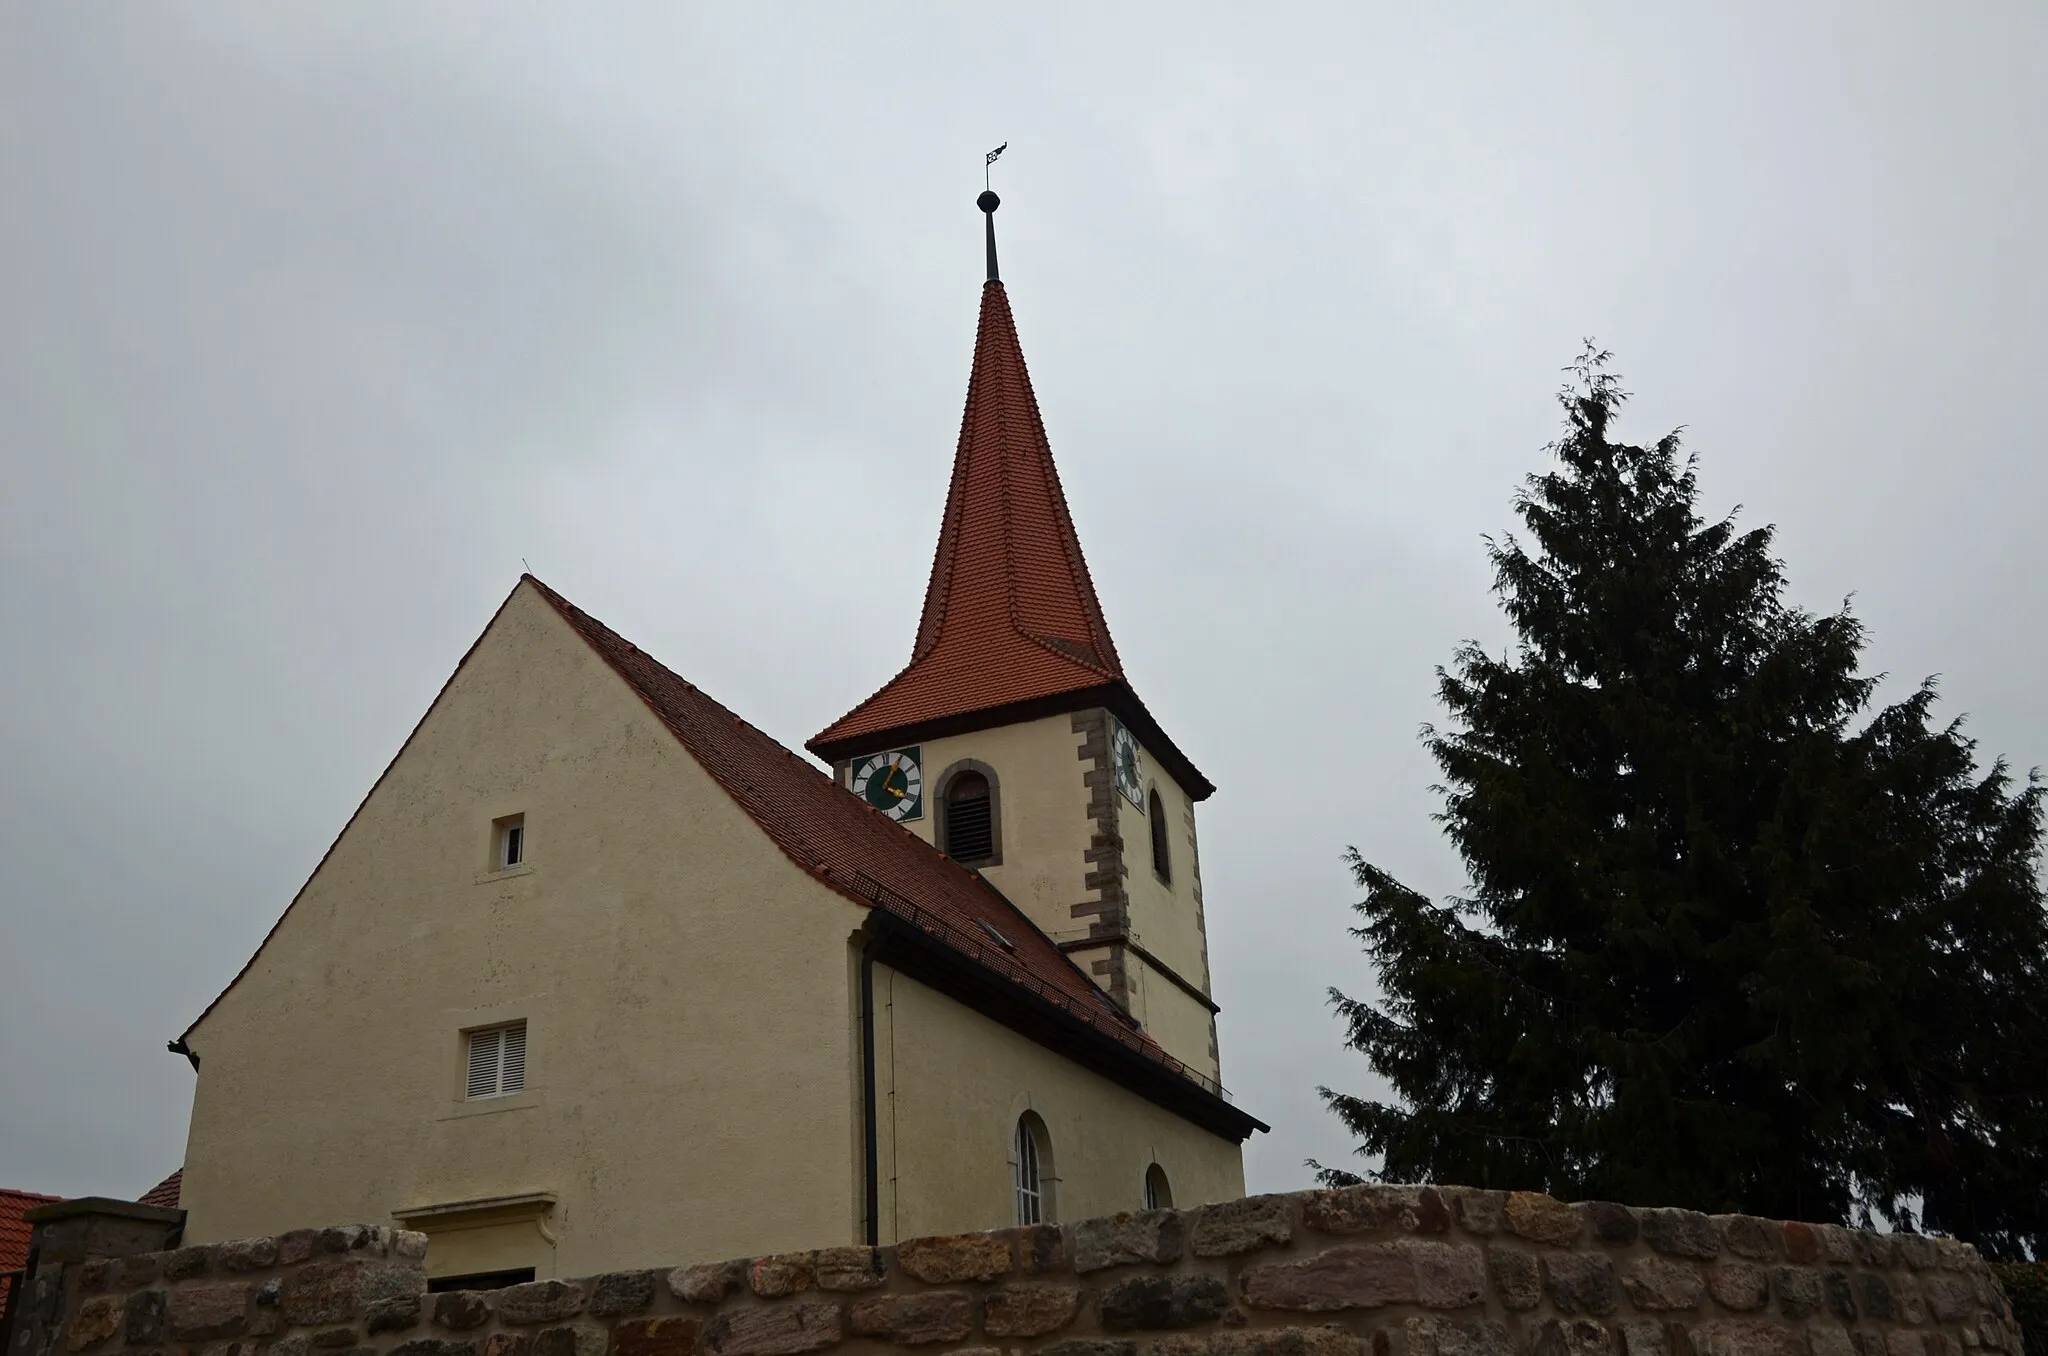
(867, 1096)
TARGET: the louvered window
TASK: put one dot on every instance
(497, 1061)
(970, 819)
(1162, 861)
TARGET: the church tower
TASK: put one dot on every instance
(1012, 740)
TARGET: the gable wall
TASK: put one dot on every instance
(691, 1081)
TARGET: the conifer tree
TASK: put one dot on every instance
(1727, 944)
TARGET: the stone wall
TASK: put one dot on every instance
(1365, 1271)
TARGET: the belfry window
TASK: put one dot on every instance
(969, 818)
(1162, 861)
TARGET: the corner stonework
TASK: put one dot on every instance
(1109, 911)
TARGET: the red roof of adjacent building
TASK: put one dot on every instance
(14, 1230)
(164, 1193)
(854, 848)
(1010, 615)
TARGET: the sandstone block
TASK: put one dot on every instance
(1610, 1223)
(437, 1346)
(504, 1344)
(914, 1320)
(710, 1283)
(950, 1258)
(1581, 1283)
(1362, 1276)
(270, 1294)
(1906, 1297)
(1572, 1337)
(539, 1302)
(1874, 1249)
(621, 1292)
(333, 1339)
(1517, 1276)
(392, 1315)
(781, 1330)
(841, 1269)
(654, 1337)
(294, 1345)
(183, 1264)
(1829, 1339)
(1681, 1233)
(1089, 1346)
(1029, 1310)
(1657, 1285)
(410, 1244)
(1834, 1286)
(1802, 1244)
(1541, 1219)
(1874, 1295)
(296, 1246)
(201, 1312)
(1319, 1341)
(1360, 1209)
(461, 1310)
(779, 1275)
(246, 1254)
(1448, 1275)
(322, 1292)
(1837, 1244)
(1643, 1337)
(1155, 1302)
(1450, 1337)
(346, 1238)
(1741, 1286)
(1146, 1236)
(142, 1320)
(1042, 1248)
(132, 1273)
(1478, 1212)
(570, 1339)
(1760, 1240)
(1948, 1296)
(1917, 1251)
(96, 1275)
(1749, 1338)
(1241, 1226)
(98, 1318)
(1799, 1291)
(1904, 1342)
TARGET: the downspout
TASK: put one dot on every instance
(867, 1094)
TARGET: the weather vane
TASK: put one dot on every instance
(989, 160)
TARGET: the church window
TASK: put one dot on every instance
(1158, 1192)
(1162, 861)
(1028, 1165)
(497, 1061)
(968, 818)
(508, 842)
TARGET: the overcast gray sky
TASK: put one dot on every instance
(315, 319)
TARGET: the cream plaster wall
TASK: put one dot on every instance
(1164, 917)
(691, 1087)
(1180, 1024)
(950, 1086)
(1044, 807)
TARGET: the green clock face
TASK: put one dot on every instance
(892, 782)
(1130, 770)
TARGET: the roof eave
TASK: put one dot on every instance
(1115, 695)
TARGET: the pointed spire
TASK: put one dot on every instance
(1010, 621)
(988, 202)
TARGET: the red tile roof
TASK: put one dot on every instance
(854, 848)
(14, 1230)
(164, 1193)
(1010, 615)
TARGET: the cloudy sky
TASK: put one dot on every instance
(316, 320)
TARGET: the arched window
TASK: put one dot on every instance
(1162, 861)
(1030, 1170)
(968, 818)
(1158, 1192)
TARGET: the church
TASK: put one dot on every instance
(600, 976)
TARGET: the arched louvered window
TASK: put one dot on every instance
(1030, 1170)
(1158, 1191)
(1162, 860)
(969, 811)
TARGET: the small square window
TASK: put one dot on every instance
(508, 843)
(497, 1061)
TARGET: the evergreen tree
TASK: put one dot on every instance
(1723, 947)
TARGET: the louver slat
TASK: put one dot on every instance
(483, 1062)
(513, 1078)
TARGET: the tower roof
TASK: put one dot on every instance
(1011, 625)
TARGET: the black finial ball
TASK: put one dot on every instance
(988, 202)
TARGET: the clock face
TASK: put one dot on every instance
(1130, 771)
(892, 782)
